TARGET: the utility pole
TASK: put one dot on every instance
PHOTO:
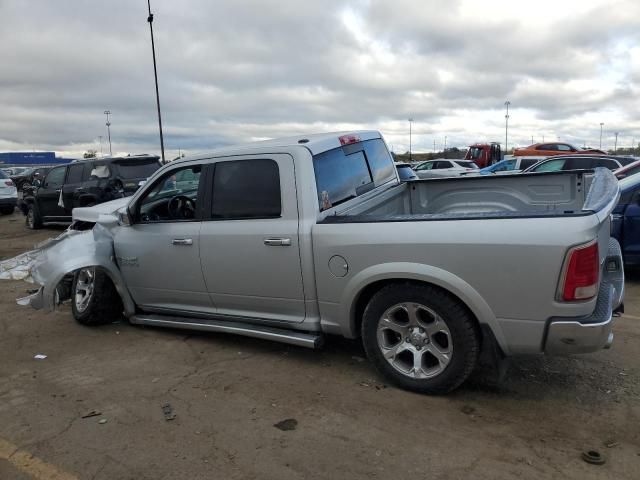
(615, 148)
(601, 125)
(531, 139)
(434, 146)
(107, 113)
(100, 137)
(445, 146)
(506, 127)
(155, 74)
(410, 122)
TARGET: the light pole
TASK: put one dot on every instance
(445, 146)
(155, 74)
(615, 147)
(100, 137)
(506, 127)
(434, 146)
(410, 122)
(107, 113)
(601, 125)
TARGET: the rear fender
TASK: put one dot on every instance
(422, 273)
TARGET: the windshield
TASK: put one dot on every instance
(137, 169)
(2, 174)
(474, 153)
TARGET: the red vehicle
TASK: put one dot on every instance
(554, 148)
(484, 154)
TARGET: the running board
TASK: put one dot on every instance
(301, 339)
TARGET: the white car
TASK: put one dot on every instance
(441, 167)
(8, 194)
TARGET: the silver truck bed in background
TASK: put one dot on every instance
(503, 196)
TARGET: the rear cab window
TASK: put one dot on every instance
(351, 170)
(137, 169)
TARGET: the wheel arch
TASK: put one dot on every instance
(369, 281)
(78, 250)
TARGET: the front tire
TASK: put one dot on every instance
(33, 219)
(420, 337)
(94, 298)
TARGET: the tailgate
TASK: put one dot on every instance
(602, 197)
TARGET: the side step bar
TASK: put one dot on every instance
(292, 337)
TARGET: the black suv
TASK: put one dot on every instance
(84, 183)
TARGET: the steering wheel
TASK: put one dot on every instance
(181, 207)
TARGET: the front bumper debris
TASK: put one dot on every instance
(567, 336)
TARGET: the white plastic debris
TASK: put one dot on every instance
(39, 356)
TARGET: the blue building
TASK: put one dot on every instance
(32, 158)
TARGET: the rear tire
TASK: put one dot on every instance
(420, 337)
(94, 298)
(33, 219)
(6, 210)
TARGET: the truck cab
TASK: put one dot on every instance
(484, 154)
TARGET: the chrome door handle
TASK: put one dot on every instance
(277, 242)
(182, 241)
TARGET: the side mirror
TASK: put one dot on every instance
(124, 217)
(37, 182)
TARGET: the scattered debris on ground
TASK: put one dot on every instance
(287, 424)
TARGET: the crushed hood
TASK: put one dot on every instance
(92, 214)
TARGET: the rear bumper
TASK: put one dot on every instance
(8, 201)
(566, 336)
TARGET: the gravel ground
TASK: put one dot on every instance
(336, 417)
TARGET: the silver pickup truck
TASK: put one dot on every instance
(294, 239)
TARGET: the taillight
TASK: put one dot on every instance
(348, 139)
(8, 183)
(582, 272)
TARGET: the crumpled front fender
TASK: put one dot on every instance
(59, 257)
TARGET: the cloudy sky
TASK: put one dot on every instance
(232, 71)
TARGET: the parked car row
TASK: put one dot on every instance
(8, 194)
(84, 183)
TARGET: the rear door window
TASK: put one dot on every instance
(551, 166)
(75, 173)
(246, 189)
(527, 162)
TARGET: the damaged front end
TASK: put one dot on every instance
(53, 263)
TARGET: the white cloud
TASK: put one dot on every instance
(234, 71)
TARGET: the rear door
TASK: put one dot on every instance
(72, 186)
(249, 243)
(48, 195)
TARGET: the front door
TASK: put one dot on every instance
(159, 254)
(48, 195)
(249, 243)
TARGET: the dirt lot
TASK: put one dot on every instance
(228, 393)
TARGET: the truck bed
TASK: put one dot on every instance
(505, 196)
